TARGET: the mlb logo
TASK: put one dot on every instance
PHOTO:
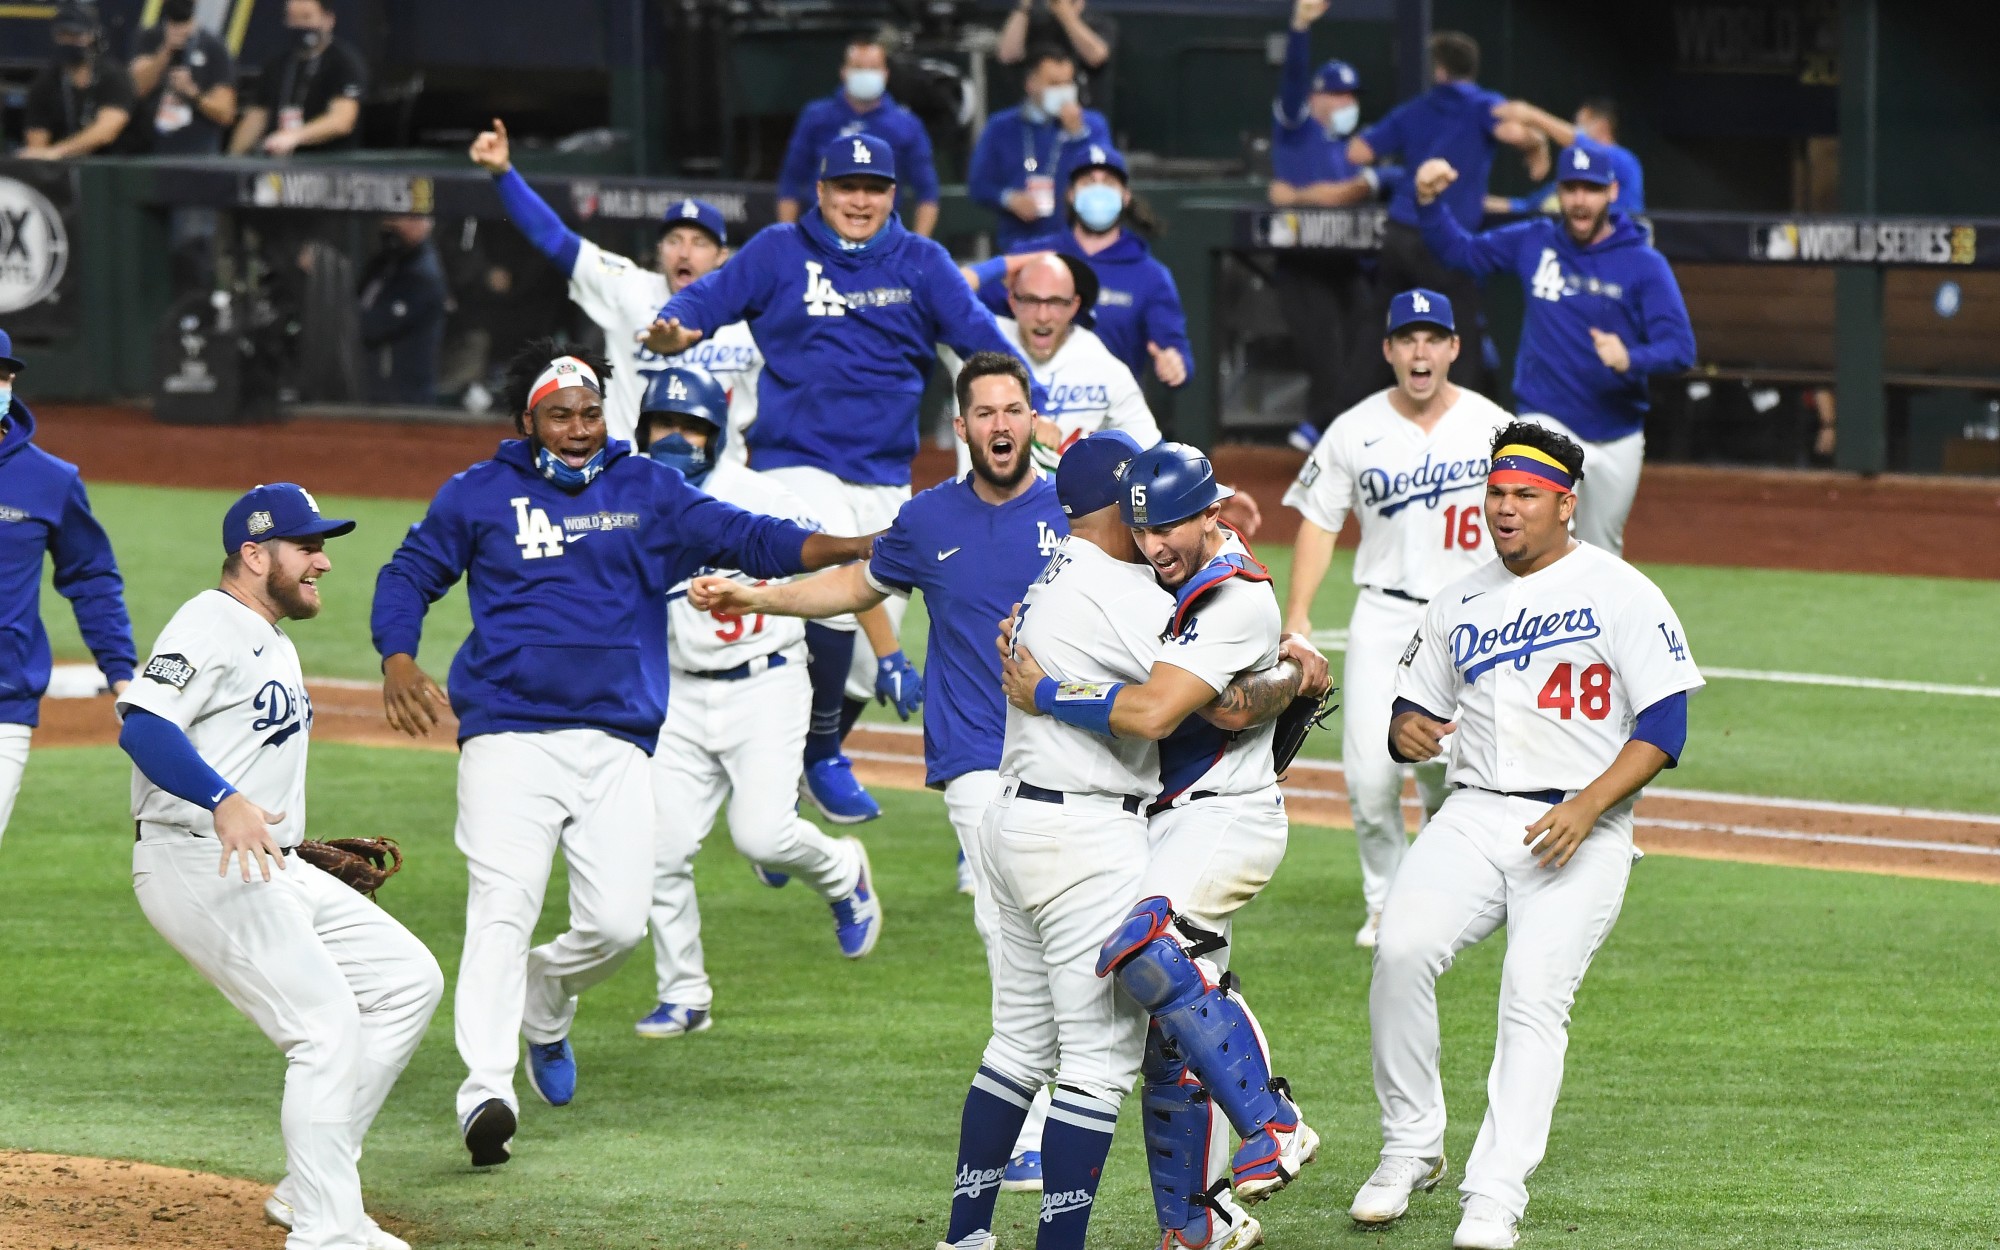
(260, 522)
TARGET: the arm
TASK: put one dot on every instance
(1562, 133)
(86, 574)
(249, 129)
(148, 68)
(1489, 251)
(833, 593)
(1012, 48)
(1090, 46)
(717, 298)
(795, 171)
(926, 218)
(986, 175)
(535, 219)
(1357, 190)
(336, 123)
(1384, 138)
(964, 324)
(762, 546)
(1257, 698)
(434, 555)
(1668, 342)
(218, 103)
(1531, 143)
(103, 129)
(1295, 83)
(161, 750)
(1555, 837)
(1415, 733)
(1166, 333)
(919, 168)
(1312, 554)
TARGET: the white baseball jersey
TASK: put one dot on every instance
(1545, 674)
(702, 642)
(1088, 620)
(1420, 497)
(623, 299)
(230, 679)
(1233, 628)
(1089, 390)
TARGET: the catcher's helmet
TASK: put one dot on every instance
(1167, 485)
(686, 391)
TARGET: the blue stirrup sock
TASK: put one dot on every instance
(995, 1107)
(829, 653)
(1074, 1147)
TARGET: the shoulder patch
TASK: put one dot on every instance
(1410, 652)
(170, 669)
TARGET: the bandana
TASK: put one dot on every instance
(1517, 464)
(562, 371)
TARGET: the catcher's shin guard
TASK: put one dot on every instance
(1178, 1119)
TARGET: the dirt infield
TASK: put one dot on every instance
(61, 1202)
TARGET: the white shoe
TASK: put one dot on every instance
(1386, 1194)
(1364, 937)
(1243, 1232)
(1487, 1226)
(991, 1243)
(279, 1212)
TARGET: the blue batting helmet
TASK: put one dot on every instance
(686, 391)
(1167, 485)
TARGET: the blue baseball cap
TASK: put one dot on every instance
(692, 212)
(1083, 156)
(279, 510)
(1582, 164)
(7, 353)
(1087, 476)
(1336, 76)
(857, 154)
(1419, 307)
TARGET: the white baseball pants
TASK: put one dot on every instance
(520, 796)
(13, 763)
(848, 509)
(1377, 633)
(740, 740)
(336, 983)
(1466, 875)
(1610, 484)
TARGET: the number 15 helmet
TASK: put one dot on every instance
(1168, 484)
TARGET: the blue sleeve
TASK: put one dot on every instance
(86, 574)
(532, 215)
(729, 293)
(434, 555)
(162, 751)
(1667, 345)
(916, 165)
(795, 175)
(1665, 725)
(1489, 251)
(1488, 101)
(992, 275)
(1386, 135)
(1400, 706)
(1389, 179)
(715, 533)
(894, 560)
(1296, 84)
(987, 175)
(961, 322)
(1166, 320)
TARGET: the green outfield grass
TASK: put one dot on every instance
(1761, 1057)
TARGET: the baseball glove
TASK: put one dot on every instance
(363, 863)
(1293, 724)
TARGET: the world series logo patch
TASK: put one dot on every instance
(170, 669)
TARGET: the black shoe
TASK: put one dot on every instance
(489, 1131)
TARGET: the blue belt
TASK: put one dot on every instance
(1399, 594)
(748, 668)
(1040, 795)
(1551, 797)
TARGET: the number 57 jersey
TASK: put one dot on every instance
(1545, 674)
(706, 642)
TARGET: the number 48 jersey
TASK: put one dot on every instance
(1545, 674)
(703, 642)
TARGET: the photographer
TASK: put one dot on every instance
(186, 83)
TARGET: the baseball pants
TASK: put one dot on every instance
(848, 509)
(1466, 875)
(740, 740)
(1377, 633)
(336, 983)
(520, 797)
(1610, 484)
(13, 763)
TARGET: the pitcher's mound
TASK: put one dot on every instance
(61, 1202)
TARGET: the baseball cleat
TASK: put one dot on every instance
(1222, 1226)
(1272, 1157)
(985, 1241)
(857, 916)
(1023, 1174)
(489, 1133)
(1364, 937)
(829, 785)
(673, 1020)
(279, 1212)
(770, 876)
(965, 884)
(552, 1071)
(1385, 1196)
(1487, 1226)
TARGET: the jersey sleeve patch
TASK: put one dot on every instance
(170, 669)
(1410, 652)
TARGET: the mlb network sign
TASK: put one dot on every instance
(1862, 241)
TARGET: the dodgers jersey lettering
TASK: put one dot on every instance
(230, 680)
(702, 642)
(1225, 622)
(1089, 620)
(1420, 498)
(1545, 674)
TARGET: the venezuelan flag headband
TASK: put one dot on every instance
(562, 371)
(1517, 464)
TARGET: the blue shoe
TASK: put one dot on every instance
(1304, 437)
(965, 885)
(1023, 1174)
(770, 876)
(489, 1133)
(552, 1071)
(672, 1020)
(857, 917)
(829, 785)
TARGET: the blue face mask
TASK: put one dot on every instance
(676, 452)
(557, 470)
(1099, 206)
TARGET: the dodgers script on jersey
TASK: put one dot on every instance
(1233, 628)
(1420, 497)
(1089, 390)
(702, 642)
(623, 299)
(1545, 674)
(1088, 620)
(230, 679)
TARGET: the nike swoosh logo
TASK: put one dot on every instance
(1370, 442)
(217, 796)
(946, 555)
(1474, 595)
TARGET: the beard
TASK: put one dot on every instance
(983, 467)
(291, 597)
(1591, 228)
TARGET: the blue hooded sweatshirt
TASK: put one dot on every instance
(1619, 285)
(1137, 302)
(44, 511)
(1018, 146)
(849, 337)
(568, 591)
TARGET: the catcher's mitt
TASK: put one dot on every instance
(363, 863)
(1303, 716)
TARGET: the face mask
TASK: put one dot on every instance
(866, 84)
(676, 452)
(307, 39)
(1345, 119)
(557, 470)
(71, 54)
(1099, 206)
(6, 398)
(1055, 99)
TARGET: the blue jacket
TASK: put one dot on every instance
(849, 339)
(1631, 183)
(44, 511)
(835, 116)
(1302, 153)
(1013, 149)
(1138, 302)
(1453, 120)
(568, 592)
(1620, 285)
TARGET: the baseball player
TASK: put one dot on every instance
(1562, 675)
(621, 296)
(1410, 464)
(737, 705)
(1604, 315)
(48, 516)
(848, 308)
(568, 544)
(216, 725)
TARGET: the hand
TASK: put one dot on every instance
(491, 151)
(1433, 176)
(1071, 118)
(118, 689)
(180, 80)
(410, 699)
(1048, 434)
(1514, 111)
(971, 278)
(244, 829)
(1496, 206)
(1019, 675)
(725, 595)
(281, 142)
(669, 338)
(1418, 737)
(175, 35)
(1006, 639)
(1317, 677)
(38, 154)
(1168, 365)
(1611, 350)
(1022, 204)
(1555, 837)
(898, 684)
(1066, 9)
(1243, 514)
(1283, 195)
(1306, 12)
